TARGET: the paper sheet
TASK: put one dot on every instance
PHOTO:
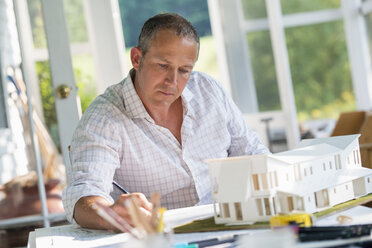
(359, 215)
(73, 236)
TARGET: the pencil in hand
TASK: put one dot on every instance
(143, 223)
(113, 218)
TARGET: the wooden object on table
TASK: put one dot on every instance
(354, 123)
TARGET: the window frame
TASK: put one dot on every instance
(276, 23)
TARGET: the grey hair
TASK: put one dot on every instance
(170, 21)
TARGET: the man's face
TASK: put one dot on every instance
(163, 72)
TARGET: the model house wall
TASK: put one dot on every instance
(318, 174)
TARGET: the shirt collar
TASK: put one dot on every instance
(133, 104)
(187, 95)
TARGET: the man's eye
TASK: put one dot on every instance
(184, 71)
(163, 66)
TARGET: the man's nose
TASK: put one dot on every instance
(172, 76)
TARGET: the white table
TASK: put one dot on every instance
(43, 237)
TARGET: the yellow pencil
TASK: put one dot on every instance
(161, 220)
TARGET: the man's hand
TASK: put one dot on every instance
(120, 206)
(86, 217)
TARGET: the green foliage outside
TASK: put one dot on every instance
(297, 6)
(48, 100)
(320, 70)
(255, 9)
(135, 13)
(74, 20)
(318, 61)
(84, 80)
(84, 77)
(264, 74)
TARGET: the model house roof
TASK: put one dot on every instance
(324, 181)
(307, 153)
(341, 142)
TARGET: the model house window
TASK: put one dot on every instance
(339, 161)
(305, 174)
(368, 180)
(274, 206)
(259, 206)
(357, 155)
(325, 196)
(256, 185)
(311, 170)
(334, 190)
(348, 160)
(215, 186)
(267, 206)
(330, 164)
(238, 211)
(309, 199)
(324, 166)
(321, 198)
(226, 210)
(290, 203)
(220, 209)
(297, 172)
(287, 177)
(264, 181)
(354, 157)
(346, 187)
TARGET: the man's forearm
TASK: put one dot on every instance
(86, 217)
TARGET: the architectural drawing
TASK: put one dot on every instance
(317, 175)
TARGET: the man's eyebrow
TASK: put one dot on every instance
(167, 61)
(188, 66)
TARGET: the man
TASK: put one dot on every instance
(151, 132)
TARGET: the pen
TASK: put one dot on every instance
(119, 187)
(208, 242)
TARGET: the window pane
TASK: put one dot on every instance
(3, 117)
(135, 13)
(254, 9)
(85, 79)
(207, 61)
(262, 59)
(36, 20)
(48, 100)
(295, 6)
(320, 70)
(75, 21)
(369, 28)
(74, 14)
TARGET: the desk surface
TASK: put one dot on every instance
(51, 237)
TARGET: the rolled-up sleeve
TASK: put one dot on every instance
(94, 158)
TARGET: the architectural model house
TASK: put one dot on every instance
(318, 174)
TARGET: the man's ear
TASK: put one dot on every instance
(135, 57)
